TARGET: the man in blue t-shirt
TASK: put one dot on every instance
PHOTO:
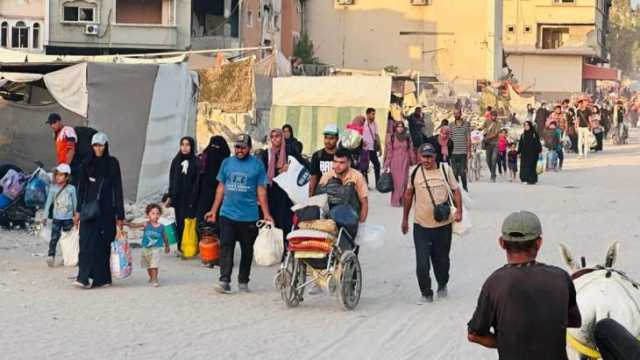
(242, 186)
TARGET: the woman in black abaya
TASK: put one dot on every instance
(183, 185)
(210, 162)
(290, 139)
(529, 148)
(99, 173)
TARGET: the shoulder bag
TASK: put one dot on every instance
(458, 227)
(91, 210)
(441, 212)
(51, 207)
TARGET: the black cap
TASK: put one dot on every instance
(53, 118)
(427, 150)
(243, 140)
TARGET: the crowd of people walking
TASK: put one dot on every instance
(214, 186)
(429, 168)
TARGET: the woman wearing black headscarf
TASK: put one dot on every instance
(291, 140)
(183, 184)
(529, 148)
(100, 184)
(210, 161)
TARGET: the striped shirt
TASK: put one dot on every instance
(460, 136)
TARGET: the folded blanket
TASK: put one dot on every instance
(324, 225)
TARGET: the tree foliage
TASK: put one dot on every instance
(304, 50)
(623, 38)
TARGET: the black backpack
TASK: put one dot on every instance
(83, 142)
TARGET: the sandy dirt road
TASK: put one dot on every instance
(589, 205)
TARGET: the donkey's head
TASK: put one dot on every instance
(570, 261)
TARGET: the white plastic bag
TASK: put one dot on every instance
(321, 201)
(459, 228)
(295, 181)
(45, 232)
(463, 227)
(269, 245)
(370, 236)
(70, 247)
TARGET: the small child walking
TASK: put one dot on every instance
(503, 143)
(60, 208)
(153, 240)
(512, 156)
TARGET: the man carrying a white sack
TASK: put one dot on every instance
(430, 184)
(242, 186)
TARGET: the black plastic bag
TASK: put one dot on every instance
(308, 213)
(385, 183)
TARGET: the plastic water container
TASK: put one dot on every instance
(170, 232)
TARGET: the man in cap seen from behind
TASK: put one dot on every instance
(525, 307)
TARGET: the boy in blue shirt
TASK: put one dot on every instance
(242, 186)
(60, 207)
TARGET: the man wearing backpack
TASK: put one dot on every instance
(429, 185)
(65, 138)
(72, 144)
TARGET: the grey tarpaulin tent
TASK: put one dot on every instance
(143, 108)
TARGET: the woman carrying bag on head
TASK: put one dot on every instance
(183, 185)
(101, 213)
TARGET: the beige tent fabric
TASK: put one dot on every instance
(334, 91)
(229, 87)
(69, 87)
(20, 77)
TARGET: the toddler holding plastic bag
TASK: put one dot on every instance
(60, 208)
(153, 240)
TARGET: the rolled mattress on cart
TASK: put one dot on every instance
(310, 241)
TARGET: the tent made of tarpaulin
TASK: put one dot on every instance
(24, 136)
(144, 109)
(309, 104)
(22, 58)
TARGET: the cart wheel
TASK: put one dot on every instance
(350, 285)
(291, 276)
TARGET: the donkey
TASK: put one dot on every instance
(602, 292)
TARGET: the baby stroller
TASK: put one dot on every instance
(330, 262)
(26, 194)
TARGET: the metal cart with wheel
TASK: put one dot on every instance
(338, 271)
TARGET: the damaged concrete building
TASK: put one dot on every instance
(557, 47)
(248, 23)
(93, 27)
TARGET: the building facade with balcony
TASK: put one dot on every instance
(23, 25)
(227, 24)
(553, 46)
(457, 41)
(117, 26)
